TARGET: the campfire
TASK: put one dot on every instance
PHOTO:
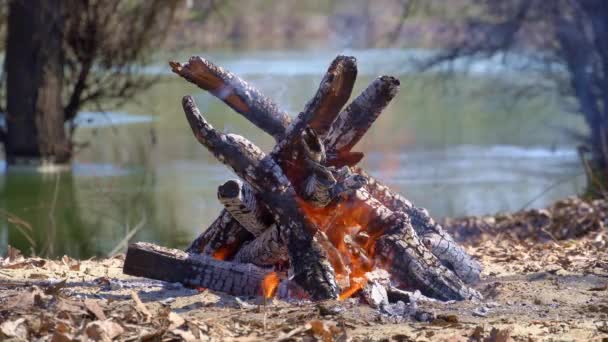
(304, 221)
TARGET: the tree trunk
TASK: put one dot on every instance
(34, 67)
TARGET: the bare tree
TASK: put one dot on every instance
(65, 54)
(567, 40)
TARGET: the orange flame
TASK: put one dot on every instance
(355, 286)
(270, 284)
(347, 228)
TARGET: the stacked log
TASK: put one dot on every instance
(306, 205)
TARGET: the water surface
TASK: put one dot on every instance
(457, 146)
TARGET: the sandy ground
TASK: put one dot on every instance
(555, 290)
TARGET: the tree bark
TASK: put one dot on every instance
(34, 67)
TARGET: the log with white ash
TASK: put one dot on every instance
(305, 215)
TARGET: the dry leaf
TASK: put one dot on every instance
(54, 289)
(16, 329)
(72, 264)
(139, 305)
(94, 307)
(103, 330)
(319, 329)
(499, 335)
(175, 321)
(61, 337)
(13, 254)
(184, 335)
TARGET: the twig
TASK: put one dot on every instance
(50, 242)
(123, 243)
(24, 227)
(549, 188)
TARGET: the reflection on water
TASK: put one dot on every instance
(469, 151)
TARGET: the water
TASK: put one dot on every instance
(458, 146)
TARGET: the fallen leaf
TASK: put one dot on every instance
(13, 253)
(37, 276)
(499, 335)
(61, 337)
(175, 321)
(54, 289)
(477, 333)
(184, 335)
(599, 288)
(103, 330)
(319, 329)
(94, 307)
(16, 329)
(72, 264)
(139, 305)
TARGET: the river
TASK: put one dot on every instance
(460, 145)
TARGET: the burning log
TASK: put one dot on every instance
(303, 205)
(386, 239)
(311, 269)
(240, 201)
(434, 237)
(268, 249)
(222, 238)
(196, 270)
(333, 92)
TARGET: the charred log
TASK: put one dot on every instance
(311, 270)
(268, 249)
(240, 201)
(402, 253)
(236, 93)
(354, 121)
(300, 172)
(222, 238)
(430, 232)
(196, 270)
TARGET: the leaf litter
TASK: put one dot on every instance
(534, 288)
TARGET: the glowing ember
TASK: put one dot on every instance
(223, 252)
(355, 285)
(270, 284)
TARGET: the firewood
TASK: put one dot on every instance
(236, 93)
(222, 238)
(268, 249)
(196, 270)
(354, 121)
(432, 234)
(334, 92)
(240, 201)
(318, 114)
(298, 169)
(311, 270)
(402, 253)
